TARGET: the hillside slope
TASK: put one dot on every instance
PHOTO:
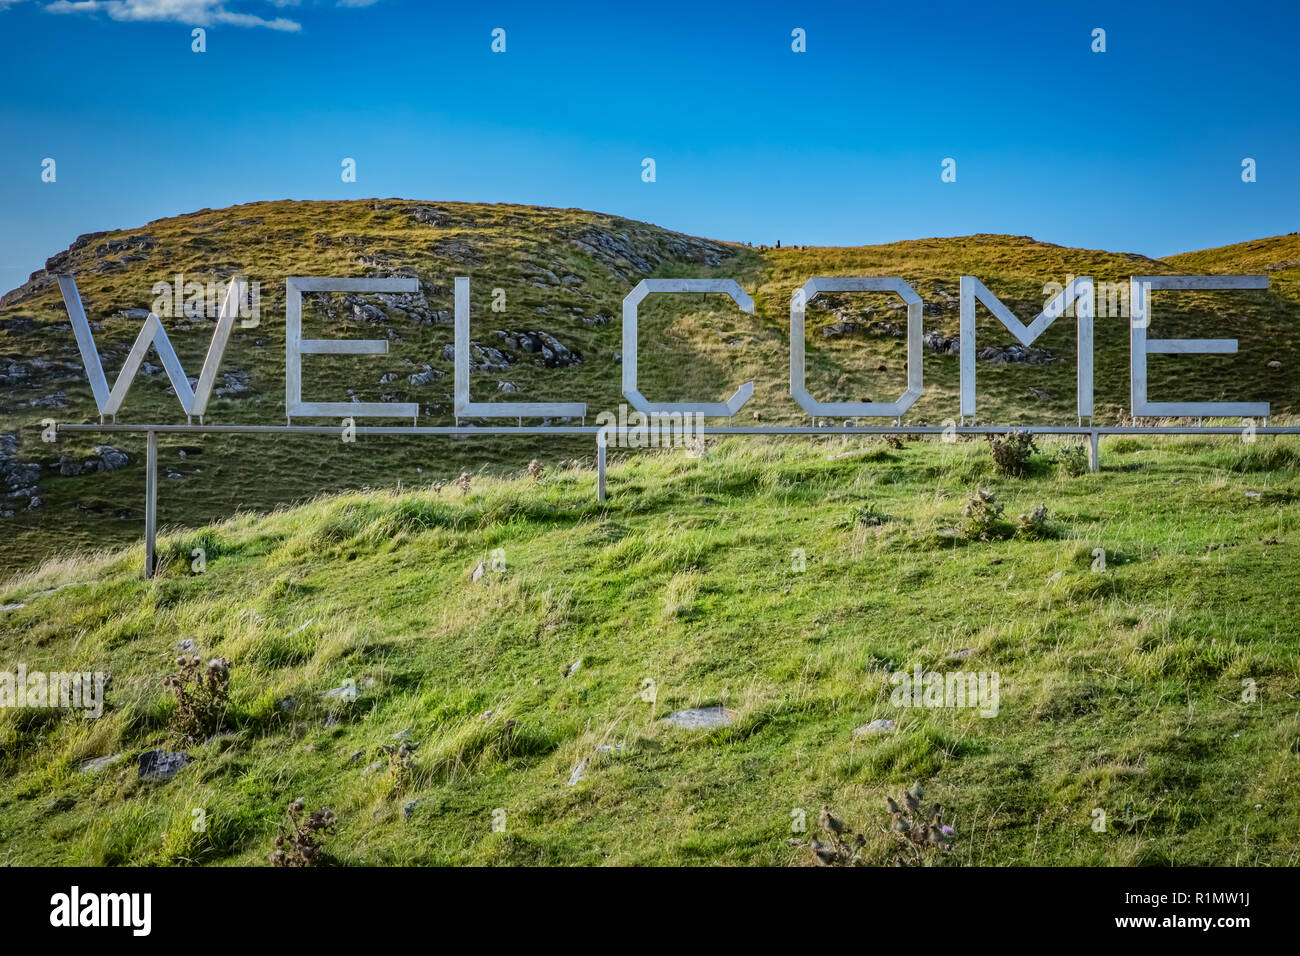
(1277, 257)
(563, 273)
(529, 645)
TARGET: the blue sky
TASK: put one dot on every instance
(1135, 149)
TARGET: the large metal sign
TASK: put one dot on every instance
(655, 416)
(1079, 294)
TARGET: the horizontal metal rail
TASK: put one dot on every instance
(465, 431)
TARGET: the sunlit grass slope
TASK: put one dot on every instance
(1121, 689)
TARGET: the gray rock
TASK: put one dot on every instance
(381, 308)
(99, 763)
(344, 692)
(409, 809)
(16, 476)
(882, 725)
(457, 249)
(14, 372)
(481, 358)
(111, 459)
(935, 342)
(426, 377)
(429, 215)
(579, 772)
(700, 718)
(233, 382)
(551, 352)
(633, 251)
(70, 584)
(126, 244)
(1026, 354)
(52, 400)
(161, 764)
(508, 388)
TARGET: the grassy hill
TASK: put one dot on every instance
(535, 692)
(565, 273)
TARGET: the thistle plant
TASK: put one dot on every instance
(842, 845)
(984, 517)
(202, 697)
(401, 767)
(1072, 460)
(299, 844)
(1033, 525)
(838, 844)
(918, 835)
(1011, 454)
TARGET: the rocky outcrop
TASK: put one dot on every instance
(160, 765)
(1028, 354)
(426, 376)
(482, 358)
(549, 351)
(630, 251)
(105, 458)
(428, 215)
(233, 382)
(458, 250)
(18, 479)
(847, 327)
(384, 308)
(935, 342)
(86, 254)
(29, 373)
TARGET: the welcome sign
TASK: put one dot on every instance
(661, 423)
(1079, 294)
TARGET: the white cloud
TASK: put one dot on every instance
(201, 13)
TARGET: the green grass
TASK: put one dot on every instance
(1120, 690)
(692, 347)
